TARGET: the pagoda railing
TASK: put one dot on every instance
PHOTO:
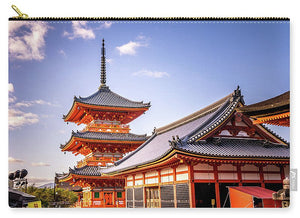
(101, 160)
(106, 127)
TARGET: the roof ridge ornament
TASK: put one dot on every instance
(103, 67)
(238, 94)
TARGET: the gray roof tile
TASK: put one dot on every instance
(229, 147)
(107, 136)
(105, 97)
(110, 136)
(87, 170)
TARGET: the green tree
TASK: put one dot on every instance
(63, 198)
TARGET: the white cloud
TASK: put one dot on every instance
(10, 88)
(153, 74)
(18, 118)
(14, 160)
(40, 164)
(106, 25)
(27, 40)
(34, 102)
(129, 48)
(80, 30)
(11, 97)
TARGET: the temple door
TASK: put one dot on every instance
(108, 199)
(152, 197)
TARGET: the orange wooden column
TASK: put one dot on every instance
(282, 172)
(192, 186)
(217, 187)
(261, 176)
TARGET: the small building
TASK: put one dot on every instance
(252, 197)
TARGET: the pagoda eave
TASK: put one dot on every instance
(73, 147)
(85, 113)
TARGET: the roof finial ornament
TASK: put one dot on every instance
(103, 67)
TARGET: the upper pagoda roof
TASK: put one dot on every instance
(105, 97)
(86, 109)
(191, 135)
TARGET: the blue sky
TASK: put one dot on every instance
(179, 66)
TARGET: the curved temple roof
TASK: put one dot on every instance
(193, 128)
(105, 97)
(278, 104)
(86, 171)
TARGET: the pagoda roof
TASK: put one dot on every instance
(106, 136)
(104, 100)
(190, 135)
(89, 171)
(105, 97)
(86, 171)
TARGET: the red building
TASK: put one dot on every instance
(192, 162)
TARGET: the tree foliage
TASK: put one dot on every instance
(63, 198)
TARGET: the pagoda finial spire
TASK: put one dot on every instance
(103, 67)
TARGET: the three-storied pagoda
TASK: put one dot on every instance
(104, 140)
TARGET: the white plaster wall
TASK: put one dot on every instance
(203, 176)
(225, 133)
(249, 167)
(129, 177)
(151, 181)
(181, 168)
(228, 167)
(139, 176)
(242, 133)
(203, 167)
(272, 176)
(223, 176)
(138, 182)
(181, 177)
(130, 183)
(271, 168)
(166, 179)
(166, 171)
(152, 173)
(250, 176)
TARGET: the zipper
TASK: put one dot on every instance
(23, 16)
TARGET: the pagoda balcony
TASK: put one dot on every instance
(106, 126)
(99, 160)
